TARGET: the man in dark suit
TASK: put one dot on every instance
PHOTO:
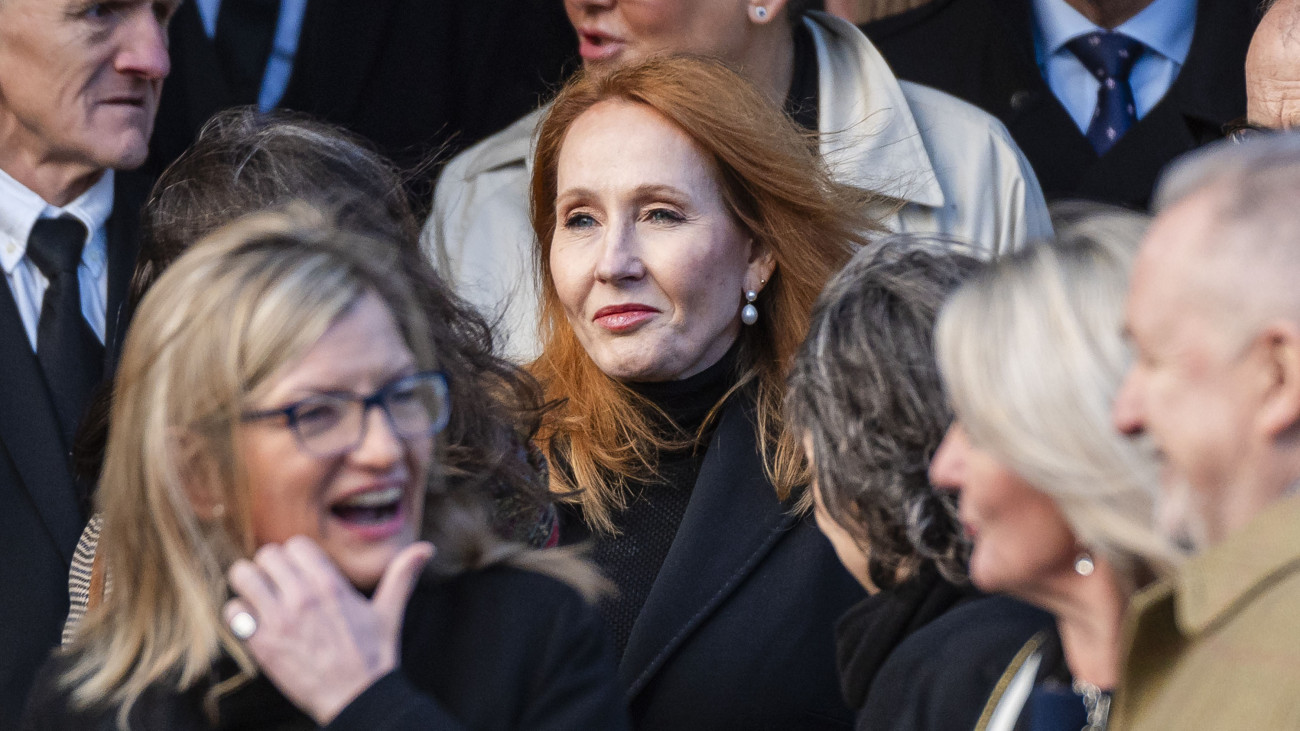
(1100, 94)
(79, 85)
(412, 76)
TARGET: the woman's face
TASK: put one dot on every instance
(362, 506)
(1022, 544)
(619, 32)
(649, 265)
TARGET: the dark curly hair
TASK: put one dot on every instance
(244, 162)
(865, 393)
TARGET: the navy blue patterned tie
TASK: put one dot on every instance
(1109, 56)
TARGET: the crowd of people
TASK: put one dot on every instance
(690, 364)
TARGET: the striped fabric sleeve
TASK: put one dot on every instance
(79, 577)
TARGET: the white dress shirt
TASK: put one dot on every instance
(280, 66)
(19, 210)
(1164, 26)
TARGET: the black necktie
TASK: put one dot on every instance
(244, 39)
(70, 355)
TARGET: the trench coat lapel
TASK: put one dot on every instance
(732, 522)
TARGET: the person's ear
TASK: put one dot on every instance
(1278, 347)
(762, 264)
(200, 476)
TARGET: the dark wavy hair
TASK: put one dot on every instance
(865, 394)
(245, 162)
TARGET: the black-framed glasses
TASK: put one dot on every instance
(329, 424)
(1241, 129)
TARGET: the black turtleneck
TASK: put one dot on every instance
(646, 529)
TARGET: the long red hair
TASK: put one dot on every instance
(778, 189)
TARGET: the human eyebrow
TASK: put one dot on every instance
(659, 192)
(568, 195)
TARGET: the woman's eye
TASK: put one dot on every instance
(579, 220)
(664, 215)
(318, 416)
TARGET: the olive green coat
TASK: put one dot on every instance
(1218, 646)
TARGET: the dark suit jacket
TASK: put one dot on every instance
(983, 52)
(493, 649)
(738, 631)
(41, 515)
(410, 75)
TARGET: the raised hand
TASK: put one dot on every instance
(315, 636)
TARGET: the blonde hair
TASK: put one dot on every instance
(206, 340)
(777, 188)
(1031, 355)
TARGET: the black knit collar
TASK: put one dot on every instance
(688, 401)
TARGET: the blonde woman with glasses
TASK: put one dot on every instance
(272, 466)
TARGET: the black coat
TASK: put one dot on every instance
(983, 52)
(42, 511)
(927, 655)
(494, 649)
(409, 75)
(738, 629)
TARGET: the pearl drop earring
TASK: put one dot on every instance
(749, 313)
(1083, 565)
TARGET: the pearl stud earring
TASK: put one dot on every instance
(1083, 565)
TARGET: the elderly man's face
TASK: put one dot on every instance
(1187, 390)
(1273, 68)
(80, 81)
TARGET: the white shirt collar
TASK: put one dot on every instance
(1164, 26)
(20, 207)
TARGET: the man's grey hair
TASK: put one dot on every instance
(864, 390)
(1254, 174)
(1253, 189)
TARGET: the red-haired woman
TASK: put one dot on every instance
(685, 229)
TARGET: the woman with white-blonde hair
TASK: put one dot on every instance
(1057, 503)
(272, 465)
